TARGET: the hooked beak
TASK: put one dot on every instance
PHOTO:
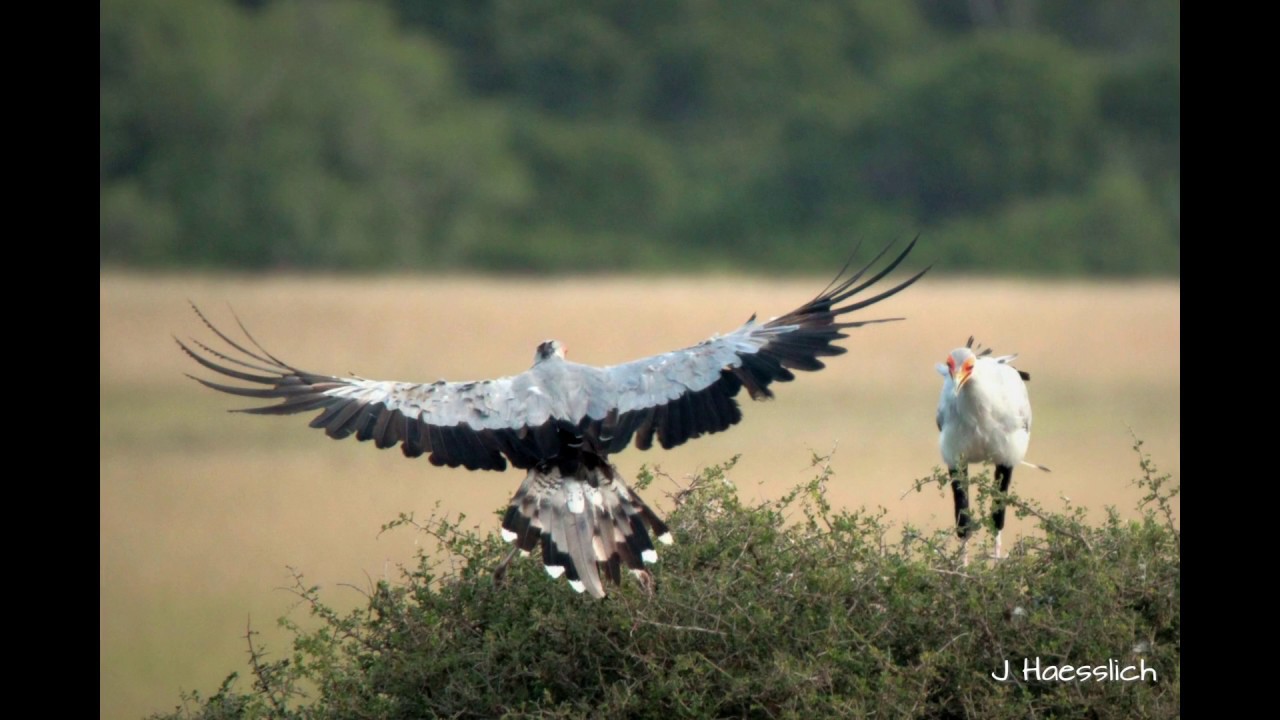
(963, 373)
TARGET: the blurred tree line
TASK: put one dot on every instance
(1034, 136)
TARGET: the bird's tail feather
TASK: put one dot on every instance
(585, 521)
(1038, 467)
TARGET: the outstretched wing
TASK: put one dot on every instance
(526, 418)
(473, 424)
(683, 394)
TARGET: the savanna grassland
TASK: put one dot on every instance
(203, 513)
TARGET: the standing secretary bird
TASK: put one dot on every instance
(984, 415)
(560, 420)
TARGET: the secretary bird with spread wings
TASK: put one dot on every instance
(561, 420)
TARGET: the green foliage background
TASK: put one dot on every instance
(779, 609)
(505, 135)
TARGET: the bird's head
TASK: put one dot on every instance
(960, 366)
(548, 350)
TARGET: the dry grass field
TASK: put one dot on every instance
(203, 512)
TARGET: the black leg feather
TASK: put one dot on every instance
(1004, 474)
(959, 488)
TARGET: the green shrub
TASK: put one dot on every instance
(779, 609)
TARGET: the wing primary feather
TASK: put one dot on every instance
(263, 393)
(341, 426)
(270, 360)
(290, 406)
(275, 372)
(842, 290)
(845, 268)
(858, 324)
(322, 420)
(229, 372)
(877, 298)
(256, 344)
(346, 411)
(847, 289)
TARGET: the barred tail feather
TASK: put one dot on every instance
(588, 522)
